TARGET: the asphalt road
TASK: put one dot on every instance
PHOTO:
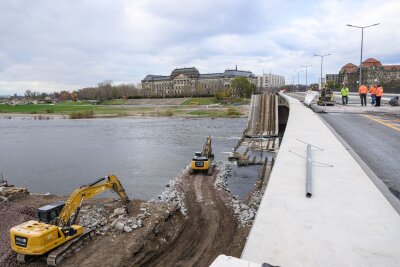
(376, 139)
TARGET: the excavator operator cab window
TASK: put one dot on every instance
(50, 212)
(197, 154)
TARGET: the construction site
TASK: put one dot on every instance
(190, 223)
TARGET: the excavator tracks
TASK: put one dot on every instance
(69, 248)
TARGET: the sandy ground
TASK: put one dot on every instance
(169, 237)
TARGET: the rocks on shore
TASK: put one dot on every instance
(224, 172)
(245, 212)
(172, 194)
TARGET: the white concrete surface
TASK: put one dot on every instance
(346, 222)
(227, 261)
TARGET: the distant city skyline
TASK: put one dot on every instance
(67, 45)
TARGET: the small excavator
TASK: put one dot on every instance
(202, 161)
(326, 97)
(54, 232)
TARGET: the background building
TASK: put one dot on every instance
(270, 81)
(332, 78)
(372, 71)
(190, 82)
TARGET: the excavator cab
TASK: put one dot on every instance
(49, 213)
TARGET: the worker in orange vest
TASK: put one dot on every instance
(372, 90)
(379, 94)
(362, 91)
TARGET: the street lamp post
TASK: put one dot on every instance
(306, 74)
(362, 40)
(293, 83)
(322, 62)
(298, 79)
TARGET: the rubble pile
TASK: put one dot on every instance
(172, 194)
(224, 172)
(9, 192)
(247, 212)
(123, 223)
(97, 217)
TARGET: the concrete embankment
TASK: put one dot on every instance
(346, 222)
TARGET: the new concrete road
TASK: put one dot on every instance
(372, 132)
(354, 98)
(376, 139)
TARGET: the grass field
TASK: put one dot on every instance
(63, 109)
(87, 110)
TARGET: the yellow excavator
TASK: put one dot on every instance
(202, 161)
(54, 232)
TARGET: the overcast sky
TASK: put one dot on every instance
(67, 45)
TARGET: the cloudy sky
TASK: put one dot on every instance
(48, 45)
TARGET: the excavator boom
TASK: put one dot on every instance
(69, 213)
(207, 150)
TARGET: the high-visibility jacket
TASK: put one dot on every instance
(344, 91)
(372, 90)
(379, 91)
(363, 89)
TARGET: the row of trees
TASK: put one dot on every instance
(106, 90)
(240, 87)
(103, 91)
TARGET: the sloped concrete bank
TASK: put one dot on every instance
(346, 222)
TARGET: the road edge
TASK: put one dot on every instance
(394, 202)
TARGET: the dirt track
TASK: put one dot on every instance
(209, 230)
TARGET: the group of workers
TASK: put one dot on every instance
(375, 90)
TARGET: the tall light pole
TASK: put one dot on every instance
(322, 62)
(298, 78)
(293, 83)
(362, 40)
(306, 74)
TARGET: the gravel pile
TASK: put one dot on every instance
(172, 194)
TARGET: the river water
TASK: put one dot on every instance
(58, 155)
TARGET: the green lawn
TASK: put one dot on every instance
(62, 109)
(199, 101)
(71, 110)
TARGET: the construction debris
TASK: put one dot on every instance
(173, 194)
(10, 192)
(97, 217)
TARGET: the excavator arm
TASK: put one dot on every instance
(69, 213)
(207, 150)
